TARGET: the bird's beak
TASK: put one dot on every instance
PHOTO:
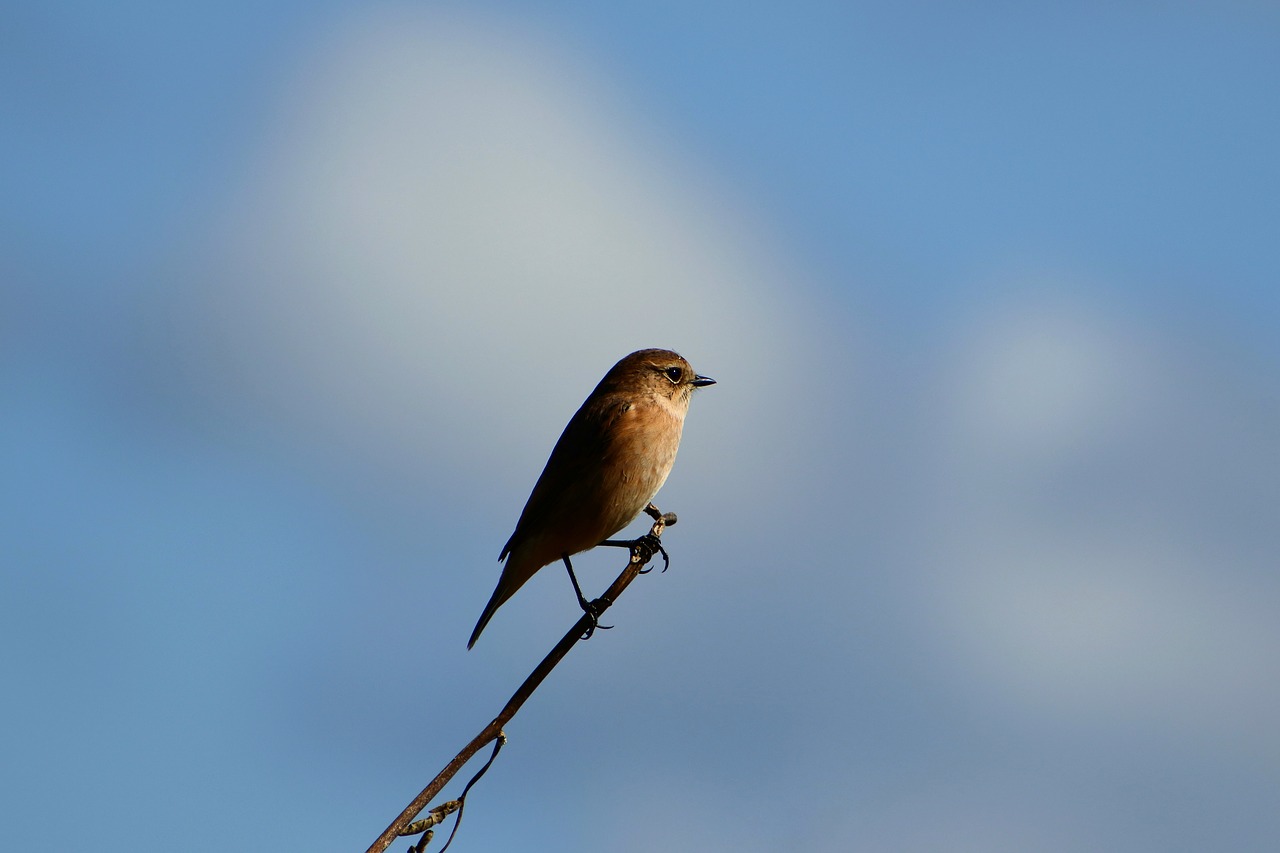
(700, 381)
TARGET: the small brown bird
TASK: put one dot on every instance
(610, 461)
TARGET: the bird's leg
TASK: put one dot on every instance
(588, 607)
(643, 549)
(577, 590)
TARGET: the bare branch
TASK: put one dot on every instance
(642, 551)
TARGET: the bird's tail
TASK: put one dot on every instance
(495, 601)
(518, 569)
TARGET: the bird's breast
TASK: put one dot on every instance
(645, 437)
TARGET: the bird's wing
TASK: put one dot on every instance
(572, 468)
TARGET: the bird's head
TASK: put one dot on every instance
(655, 372)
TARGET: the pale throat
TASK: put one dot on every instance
(669, 405)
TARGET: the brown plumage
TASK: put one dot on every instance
(610, 461)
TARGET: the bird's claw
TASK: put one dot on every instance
(593, 609)
(644, 549)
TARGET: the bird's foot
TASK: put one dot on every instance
(643, 549)
(593, 609)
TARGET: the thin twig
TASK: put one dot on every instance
(642, 551)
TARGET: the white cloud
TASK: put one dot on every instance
(455, 229)
(1090, 573)
(1042, 379)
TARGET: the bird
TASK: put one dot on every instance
(609, 462)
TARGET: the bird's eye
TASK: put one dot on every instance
(674, 374)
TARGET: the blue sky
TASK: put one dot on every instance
(977, 545)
